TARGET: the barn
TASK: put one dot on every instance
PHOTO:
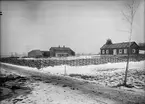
(120, 49)
(61, 51)
(35, 54)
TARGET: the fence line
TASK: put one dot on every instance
(74, 62)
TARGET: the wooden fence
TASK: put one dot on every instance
(40, 63)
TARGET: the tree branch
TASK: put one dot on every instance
(126, 17)
(135, 8)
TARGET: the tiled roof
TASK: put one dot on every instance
(60, 48)
(117, 45)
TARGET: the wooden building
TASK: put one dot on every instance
(45, 54)
(61, 52)
(35, 54)
(120, 49)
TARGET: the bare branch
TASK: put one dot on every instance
(131, 9)
(135, 8)
(128, 6)
(126, 17)
(133, 2)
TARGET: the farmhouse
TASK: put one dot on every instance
(120, 49)
(61, 51)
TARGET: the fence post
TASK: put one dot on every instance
(42, 63)
(65, 70)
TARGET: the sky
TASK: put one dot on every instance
(84, 26)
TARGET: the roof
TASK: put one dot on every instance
(118, 45)
(60, 49)
(35, 51)
(38, 52)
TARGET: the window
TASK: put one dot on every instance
(125, 51)
(103, 51)
(107, 51)
(133, 50)
(120, 51)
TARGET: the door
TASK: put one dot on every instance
(114, 52)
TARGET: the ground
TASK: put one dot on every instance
(50, 86)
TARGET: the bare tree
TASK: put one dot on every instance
(129, 14)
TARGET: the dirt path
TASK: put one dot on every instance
(57, 88)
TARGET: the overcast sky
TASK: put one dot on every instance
(83, 26)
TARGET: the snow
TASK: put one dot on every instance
(64, 58)
(44, 93)
(88, 69)
(49, 93)
(92, 69)
(24, 67)
(109, 74)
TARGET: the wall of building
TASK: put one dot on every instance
(118, 53)
(35, 54)
(54, 53)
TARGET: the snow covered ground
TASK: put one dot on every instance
(54, 92)
(88, 69)
(110, 74)
(65, 58)
(106, 74)
(94, 69)
(44, 93)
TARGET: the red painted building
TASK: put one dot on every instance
(120, 49)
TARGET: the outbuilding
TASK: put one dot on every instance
(35, 54)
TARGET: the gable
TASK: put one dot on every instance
(134, 45)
